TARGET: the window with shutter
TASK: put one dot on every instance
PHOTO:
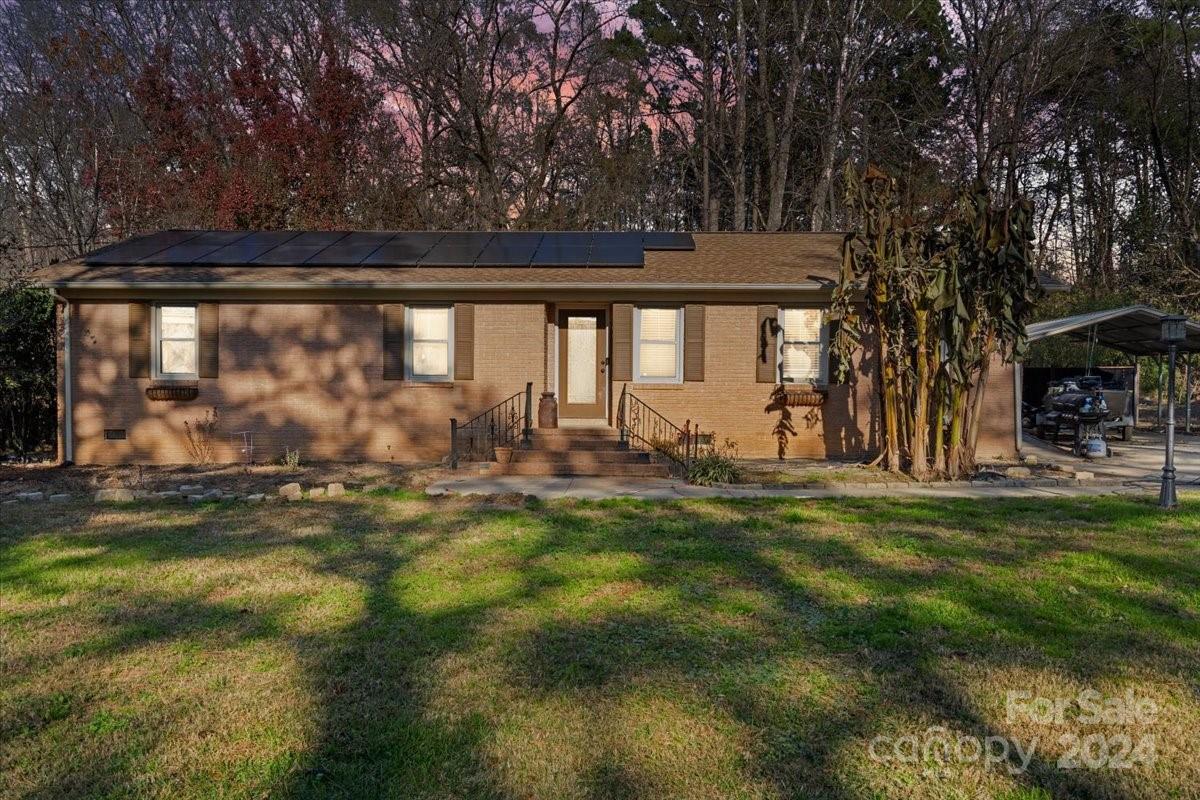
(803, 345)
(175, 355)
(430, 350)
(393, 342)
(693, 343)
(658, 346)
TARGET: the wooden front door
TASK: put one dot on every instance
(582, 362)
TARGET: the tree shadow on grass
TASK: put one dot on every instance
(722, 599)
(890, 635)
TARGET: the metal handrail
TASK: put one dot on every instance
(499, 426)
(641, 427)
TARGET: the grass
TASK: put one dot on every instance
(393, 645)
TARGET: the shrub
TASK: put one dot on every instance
(28, 391)
(717, 464)
(201, 437)
(291, 459)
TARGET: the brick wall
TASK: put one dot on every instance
(309, 376)
(305, 376)
(729, 403)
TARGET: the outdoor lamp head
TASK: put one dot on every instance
(1174, 329)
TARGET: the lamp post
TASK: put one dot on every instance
(1174, 331)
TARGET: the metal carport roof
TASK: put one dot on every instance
(1136, 330)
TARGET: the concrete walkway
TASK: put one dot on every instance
(665, 489)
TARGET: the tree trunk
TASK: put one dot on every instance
(739, 111)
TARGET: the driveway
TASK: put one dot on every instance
(1140, 459)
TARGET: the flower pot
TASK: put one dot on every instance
(548, 411)
(503, 455)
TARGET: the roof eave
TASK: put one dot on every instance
(369, 285)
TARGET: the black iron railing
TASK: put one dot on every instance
(641, 427)
(502, 425)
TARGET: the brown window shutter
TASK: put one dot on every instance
(139, 340)
(693, 343)
(393, 342)
(766, 345)
(464, 341)
(833, 361)
(622, 342)
(209, 315)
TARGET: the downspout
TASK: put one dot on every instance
(68, 432)
(1018, 396)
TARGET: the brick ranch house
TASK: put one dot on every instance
(362, 346)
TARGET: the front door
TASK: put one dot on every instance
(582, 357)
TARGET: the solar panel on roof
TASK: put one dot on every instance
(457, 250)
(196, 247)
(299, 250)
(667, 240)
(616, 250)
(561, 251)
(509, 250)
(353, 249)
(131, 251)
(571, 238)
(244, 251)
(385, 248)
(403, 249)
(322, 238)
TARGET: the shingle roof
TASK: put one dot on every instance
(719, 259)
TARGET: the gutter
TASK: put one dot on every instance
(478, 287)
(68, 432)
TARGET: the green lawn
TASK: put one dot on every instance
(399, 646)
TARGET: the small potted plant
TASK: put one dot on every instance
(503, 455)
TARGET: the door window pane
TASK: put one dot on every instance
(581, 359)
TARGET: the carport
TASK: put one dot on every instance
(1134, 330)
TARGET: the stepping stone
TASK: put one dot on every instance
(291, 491)
(114, 496)
(335, 490)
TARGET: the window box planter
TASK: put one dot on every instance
(176, 392)
(806, 395)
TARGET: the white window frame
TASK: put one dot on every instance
(822, 378)
(156, 339)
(409, 375)
(638, 377)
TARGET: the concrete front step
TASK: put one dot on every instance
(569, 469)
(574, 433)
(621, 456)
(562, 444)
